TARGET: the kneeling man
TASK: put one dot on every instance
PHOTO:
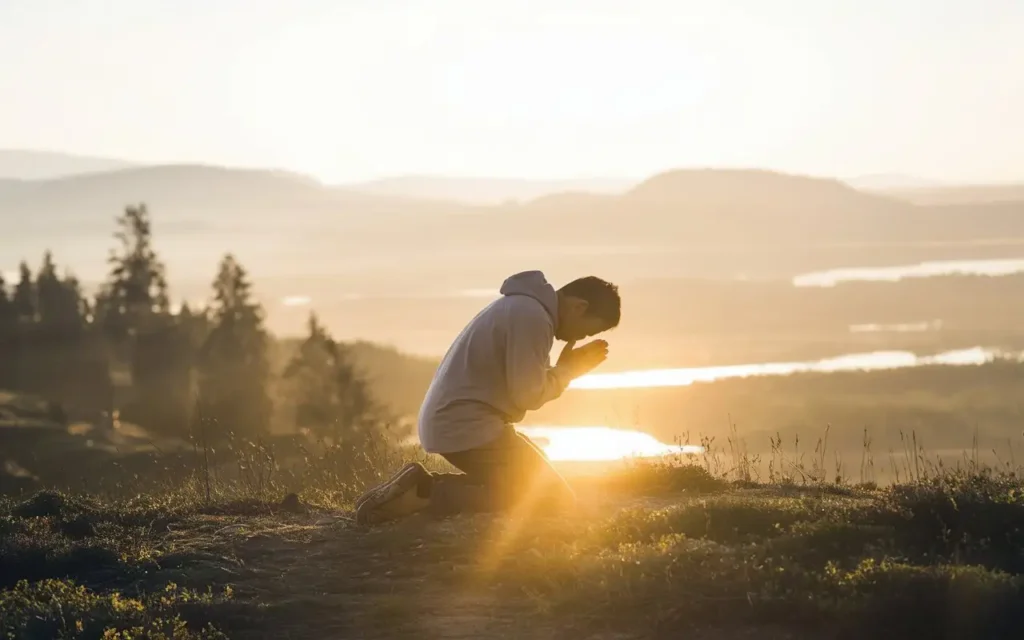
(496, 370)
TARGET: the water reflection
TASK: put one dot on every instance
(296, 301)
(833, 277)
(899, 327)
(594, 444)
(876, 360)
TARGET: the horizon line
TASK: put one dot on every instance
(130, 164)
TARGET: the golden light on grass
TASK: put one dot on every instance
(569, 444)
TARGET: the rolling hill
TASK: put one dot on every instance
(207, 194)
(676, 209)
(21, 164)
(199, 213)
(683, 209)
(883, 182)
(486, 191)
(353, 254)
(961, 195)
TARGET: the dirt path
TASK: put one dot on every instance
(325, 578)
(319, 576)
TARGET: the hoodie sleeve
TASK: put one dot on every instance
(532, 381)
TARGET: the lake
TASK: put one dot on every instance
(600, 443)
(832, 277)
(899, 327)
(872, 361)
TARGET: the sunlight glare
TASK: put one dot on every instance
(832, 277)
(898, 327)
(600, 443)
(874, 361)
(296, 301)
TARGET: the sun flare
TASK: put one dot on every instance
(591, 444)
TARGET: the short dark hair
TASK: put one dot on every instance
(602, 298)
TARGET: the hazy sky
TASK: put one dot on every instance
(350, 89)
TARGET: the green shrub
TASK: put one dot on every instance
(974, 518)
(63, 609)
(925, 602)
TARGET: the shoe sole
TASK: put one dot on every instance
(395, 499)
(366, 496)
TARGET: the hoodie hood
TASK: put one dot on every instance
(534, 285)
(498, 368)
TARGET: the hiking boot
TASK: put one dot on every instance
(396, 498)
(366, 496)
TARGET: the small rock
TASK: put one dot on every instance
(78, 528)
(41, 505)
(292, 504)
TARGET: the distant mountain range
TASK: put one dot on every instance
(934, 192)
(675, 208)
(20, 165)
(199, 212)
(961, 194)
(281, 224)
(891, 181)
(487, 191)
(351, 251)
(17, 164)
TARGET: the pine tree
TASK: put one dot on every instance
(60, 307)
(8, 322)
(73, 310)
(195, 324)
(7, 317)
(48, 290)
(332, 399)
(234, 368)
(24, 299)
(8, 337)
(136, 288)
(132, 311)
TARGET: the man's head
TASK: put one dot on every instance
(587, 307)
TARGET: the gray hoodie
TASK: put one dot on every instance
(497, 369)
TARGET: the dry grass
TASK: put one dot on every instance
(708, 547)
(656, 551)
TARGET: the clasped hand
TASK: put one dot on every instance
(579, 361)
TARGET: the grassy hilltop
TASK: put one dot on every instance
(656, 550)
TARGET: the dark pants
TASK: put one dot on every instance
(508, 473)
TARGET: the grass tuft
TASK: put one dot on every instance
(63, 609)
